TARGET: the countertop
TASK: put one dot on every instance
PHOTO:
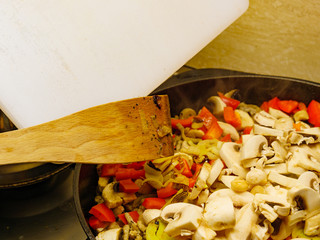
(274, 37)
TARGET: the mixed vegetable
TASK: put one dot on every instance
(239, 171)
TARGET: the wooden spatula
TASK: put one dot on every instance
(120, 132)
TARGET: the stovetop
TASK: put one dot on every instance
(47, 216)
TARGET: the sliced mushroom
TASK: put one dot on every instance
(305, 198)
(311, 132)
(229, 129)
(111, 198)
(306, 160)
(227, 179)
(180, 217)
(204, 233)
(252, 147)
(102, 183)
(282, 180)
(230, 154)
(266, 131)
(246, 120)
(309, 179)
(301, 115)
(311, 227)
(216, 105)
(281, 229)
(249, 108)
(111, 234)
(203, 197)
(260, 232)
(201, 181)
(264, 119)
(278, 205)
(284, 123)
(293, 162)
(187, 112)
(215, 171)
(238, 199)
(217, 217)
(280, 168)
(296, 216)
(246, 217)
(150, 214)
(277, 113)
(280, 153)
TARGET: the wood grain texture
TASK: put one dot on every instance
(274, 37)
(123, 131)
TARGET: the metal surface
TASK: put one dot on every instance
(44, 211)
(19, 175)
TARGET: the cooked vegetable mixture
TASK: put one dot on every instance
(239, 171)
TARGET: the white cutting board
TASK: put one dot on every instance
(61, 56)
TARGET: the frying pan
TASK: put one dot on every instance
(192, 89)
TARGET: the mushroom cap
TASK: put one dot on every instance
(168, 212)
(264, 119)
(284, 123)
(229, 129)
(181, 217)
(305, 198)
(216, 105)
(253, 146)
(204, 233)
(149, 214)
(246, 217)
(246, 120)
(111, 234)
(230, 154)
(309, 179)
(217, 217)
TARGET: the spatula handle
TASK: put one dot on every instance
(123, 131)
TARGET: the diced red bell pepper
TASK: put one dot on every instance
(95, 223)
(214, 132)
(231, 117)
(167, 191)
(302, 106)
(103, 213)
(288, 106)
(273, 103)
(128, 186)
(265, 106)
(229, 101)
(226, 138)
(247, 130)
(134, 215)
(192, 182)
(109, 170)
(207, 117)
(136, 165)
(153, 203)
(184, 122)
(197, 170)
(186, 169)
(314, 113)
(126, 173)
